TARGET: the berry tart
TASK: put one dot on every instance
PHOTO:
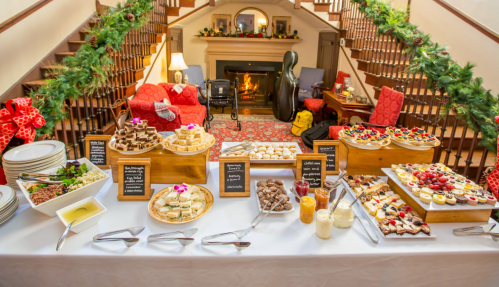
(360, 135)
(415, 136)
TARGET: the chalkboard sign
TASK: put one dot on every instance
(313, 168)
(330, 148)
(97, 150)
(234, 176)
(134, 179)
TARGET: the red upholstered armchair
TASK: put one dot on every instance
(385, 114)
(185, 106)
(315, 103)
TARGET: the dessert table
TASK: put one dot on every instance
(283, 249)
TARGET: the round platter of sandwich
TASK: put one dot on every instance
(180, 204)
(415, 138)
(360, 137)
(190, 139)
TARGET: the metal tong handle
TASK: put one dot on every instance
(375, 241)
(184, 241)
(130, 230)
(209, 237)
(39, 175)
(266, 214)
(39, 180)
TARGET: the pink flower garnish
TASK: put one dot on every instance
(180, 188)
(136, 121)
(191, 126)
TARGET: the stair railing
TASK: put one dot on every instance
(385, 63)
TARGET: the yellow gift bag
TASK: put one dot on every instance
(302, 122)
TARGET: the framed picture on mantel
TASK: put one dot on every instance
(221, 21)
(281, 25)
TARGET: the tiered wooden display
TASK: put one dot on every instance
(363, 161)
(167, 167)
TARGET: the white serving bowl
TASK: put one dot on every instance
(50, 207)
(80, 226)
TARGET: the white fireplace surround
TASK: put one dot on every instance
(245, 49)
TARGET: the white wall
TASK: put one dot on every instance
(29, 41)
(195, 49)
(9, 8)
(483, 11)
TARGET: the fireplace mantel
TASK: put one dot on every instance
(245, 49)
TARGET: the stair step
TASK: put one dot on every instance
(75, 45)
(173, 11)
(322, 7)
(334, 16)
(61, 55)
(476, 158)
(459, 132)
(34, 85)
(187, 3)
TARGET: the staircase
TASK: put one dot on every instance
(383, 63)
(90, 114)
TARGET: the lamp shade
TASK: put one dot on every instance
(177, 62)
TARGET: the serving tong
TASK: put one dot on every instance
(129, 241)
(467, 231)
(243, 146)
(184, 241)
(240, 245)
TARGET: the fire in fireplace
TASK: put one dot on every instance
(255, 84)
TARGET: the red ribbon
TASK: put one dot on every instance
(20, 121)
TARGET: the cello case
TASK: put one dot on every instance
(285, 104)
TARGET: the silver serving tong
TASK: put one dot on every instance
(39, 175)
(162, 237)
(466, 231)
(129, 242)
(240, 245)
(337, 183)
(38, 180)
(62, 239)
(243, 146)
(253, 224)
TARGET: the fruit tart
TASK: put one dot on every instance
(360, 135)
(415, 136)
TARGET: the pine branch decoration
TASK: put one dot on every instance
(93, 41)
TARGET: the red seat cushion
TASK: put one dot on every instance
(189, 96)
(192, 114)
(387, 110)
(151, 93)
(340, 79)
(333, 131)
(314, 105)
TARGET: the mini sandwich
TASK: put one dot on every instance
(141, 126)
(160, 203)
(192, 189)
(121, 147)
(173, 214)
(141, 132)
(196, 207)
(130, 137)
(194, 141)
(181, 148)
(184, 196)
(153, 129)
(186, 214)
(191, 148)
(163, 211)
(174, 204)
(194, 197)
(171, 197)
(186, 205)
(182, 142)
(144, 122)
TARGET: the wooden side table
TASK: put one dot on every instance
(337, 103)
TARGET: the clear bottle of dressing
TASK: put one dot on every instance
(324, 224)
(343, 215)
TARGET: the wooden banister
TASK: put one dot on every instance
(357, 76)
(297, 4)
(23, 14)
(474, 23)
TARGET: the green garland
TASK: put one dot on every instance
(252, 34)
(465, 95)
(87, 69)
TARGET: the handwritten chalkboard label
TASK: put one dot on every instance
(330, 151)
(97, 152)
(134, 180)
(235, 177)
(312, 172)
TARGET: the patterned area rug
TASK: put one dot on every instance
(254, 128)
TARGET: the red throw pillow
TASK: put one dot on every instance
(151, 93)
(188, 97)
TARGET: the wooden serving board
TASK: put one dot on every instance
(434, 213)
(362, 161)
(167, 167)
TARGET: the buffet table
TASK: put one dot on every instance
(283, 250)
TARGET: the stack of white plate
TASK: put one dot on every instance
(32, 158)
(9, 202)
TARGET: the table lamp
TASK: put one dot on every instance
(177, 63)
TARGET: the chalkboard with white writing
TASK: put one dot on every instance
(330, 151)
(134, 180)
(97, 152)
(235, 177)
(311, 170)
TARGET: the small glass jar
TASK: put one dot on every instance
(307, 209)
(337, 88)
(321, 198)
(328, 185)
(302, 188)
(323, 224)
(343, 215)
(349, 98)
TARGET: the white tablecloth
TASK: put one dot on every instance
(283, 250)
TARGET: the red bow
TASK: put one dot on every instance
(20, 122)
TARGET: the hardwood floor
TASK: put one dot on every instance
(244, 111)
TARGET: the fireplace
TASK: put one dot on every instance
(256, 80)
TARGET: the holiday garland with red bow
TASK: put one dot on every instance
(252, 34)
